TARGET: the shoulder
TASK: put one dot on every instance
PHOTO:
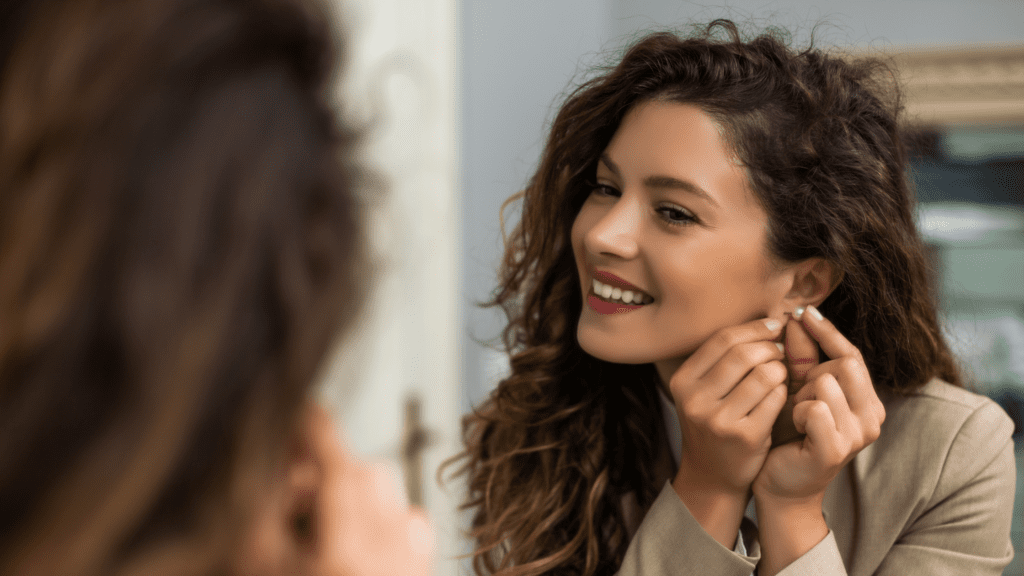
(935, 490)
(941, 412)
(936, 438)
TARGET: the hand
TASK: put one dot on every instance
(801, 356)
(727, 395)
(837, 409)
(365, 525)
(334, 515)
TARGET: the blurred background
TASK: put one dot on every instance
(456, 96)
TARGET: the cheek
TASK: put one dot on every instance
(580, 226)
(753, 289)
(576, 236)
(719, 278)
(578, 249)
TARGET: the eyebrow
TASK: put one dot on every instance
(665, 182)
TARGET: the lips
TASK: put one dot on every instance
(610, 287)
(614, 281)
(610, 294)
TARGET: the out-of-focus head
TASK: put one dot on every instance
(179, 246)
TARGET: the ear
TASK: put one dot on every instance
(278, 539)
(332, 514)
(811, 281)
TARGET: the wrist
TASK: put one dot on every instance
(787, 528)
(787, 505)
(719, 510)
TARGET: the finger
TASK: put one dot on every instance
(832, 342)
(784, 430)
(421, 545)
(737, 364)
(709, 353)
(815, 419)
(801, 414)
(386, 484)
(826, 389)
(764, 414)
(855, 380)
(764, 378)
(801, 354)
(361, 516)
(364, 523)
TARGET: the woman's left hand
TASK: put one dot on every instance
(837, 409)
(840, 413)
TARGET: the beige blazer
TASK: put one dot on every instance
(932, 496)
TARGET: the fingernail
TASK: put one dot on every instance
(814, 312)
(781, 347)
(798, 313)
(772, 324)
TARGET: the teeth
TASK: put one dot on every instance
(625, 296)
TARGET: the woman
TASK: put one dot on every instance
(179, 246)
(694, 208)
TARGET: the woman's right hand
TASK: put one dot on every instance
(334, 515)
(727, 394)
(364, 526)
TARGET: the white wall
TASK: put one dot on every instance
(401, 84)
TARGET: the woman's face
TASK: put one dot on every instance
(672, 223)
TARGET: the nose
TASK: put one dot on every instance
(616, 232)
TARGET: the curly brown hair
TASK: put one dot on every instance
(550, 455)
(180, 243)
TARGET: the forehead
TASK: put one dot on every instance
(673, 119)
(681, 141)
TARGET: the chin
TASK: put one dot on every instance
(611, 350)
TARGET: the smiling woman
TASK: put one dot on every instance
(678, 404)
(671, 213)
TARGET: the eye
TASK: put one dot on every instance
(604, 190)
(676, 215)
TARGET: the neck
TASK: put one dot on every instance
(666, 368)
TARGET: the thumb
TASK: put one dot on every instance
(801, 357)
(801, 354)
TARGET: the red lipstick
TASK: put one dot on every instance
(602, 306)
(605, 307)
(615, 281)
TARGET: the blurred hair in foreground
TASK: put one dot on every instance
(179, 246)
